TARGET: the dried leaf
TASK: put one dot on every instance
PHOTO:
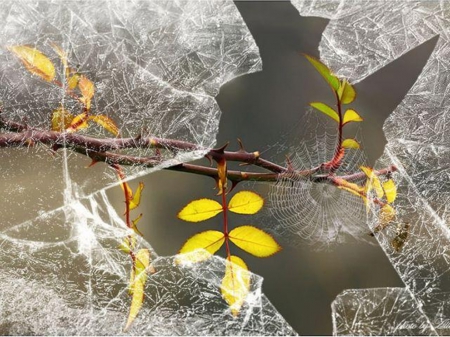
(402, 235)
(246, 202)
(107, 123)
(200, 210)
(351, 116)
(61, 119)
(142, 262)
(35, 62)
(326, 110)
(78, 123)
(350, 144)
(235, 284)
(323, 70)
(222, 179)
(203, 245)
(390, 190)
(87, 90)
(254, 241)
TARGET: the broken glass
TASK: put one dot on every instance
(156, 67)
(362, 37)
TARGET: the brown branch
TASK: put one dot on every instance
(99, 150)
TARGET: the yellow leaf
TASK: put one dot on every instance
(87, 90)
(107, 123)
(391, 190)
(246, 202)
(351, 116)
(128, 244)
(350, 144)
(254, 241)
(35, 62)
(200, 210)
(61, 119)
(72, 81)
(78, 123)
(134, 224)
(131, 285)
(204, 244)
(326, 110)
(347, 93)
(136, 200)
(142, 262)
(235, 284)
(387, 214)
(374, 181)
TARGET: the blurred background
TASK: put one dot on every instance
(261, 109)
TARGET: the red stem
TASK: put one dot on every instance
(225, 222)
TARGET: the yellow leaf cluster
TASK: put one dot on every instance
(61, 119)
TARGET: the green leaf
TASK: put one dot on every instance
(326, 110)
(323, 70)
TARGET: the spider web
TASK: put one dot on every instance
(157, 66)
(364, 36)
(318, 213)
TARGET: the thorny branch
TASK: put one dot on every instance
(101, 149)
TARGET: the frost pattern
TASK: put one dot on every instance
(362, 37)
(157, 66)
(62, 274)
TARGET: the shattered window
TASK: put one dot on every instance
(175, 69)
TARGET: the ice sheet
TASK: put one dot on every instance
(364, 36)
(156, 66)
